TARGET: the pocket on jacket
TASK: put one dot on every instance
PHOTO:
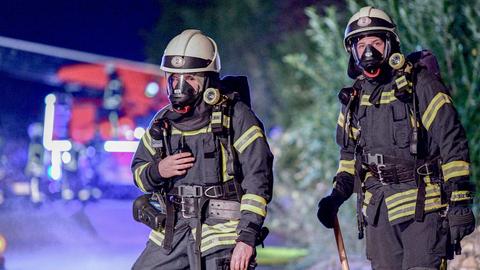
(401, 127)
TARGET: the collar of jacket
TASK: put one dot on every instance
(374, 88)
(198, 118)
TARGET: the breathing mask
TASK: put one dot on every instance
(185, 89)
(371, 60)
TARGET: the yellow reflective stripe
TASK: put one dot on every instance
(400, 195)
(430, 189)
(386, 98)
(409, 209)
(204, 130)
(138, 179)
(250, 196)
(218, 235)
(229, 226)
(253, 209)
(341, 119)
(157, 237)
(366, 201)
(254, 203)
(401, 82)
(411, 198)
(225, 175)
(147, 140)
(461, 195)
(226, 227)
(224, 239)
(217, 117)
(355, 131)
(431, 112)
(346, 166)
(247, 138)
(427, 179)
(226, 121)
(455, 169)
(368, 197)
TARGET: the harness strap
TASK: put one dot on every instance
(169, 225)
(198, 233)
(359, 189)
(420, 203)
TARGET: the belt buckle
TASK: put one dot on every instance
(376, 159)
(190, 191)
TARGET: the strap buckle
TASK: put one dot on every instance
(375, 159)
(190, 191)
(377, 162)
(189, 209)
(379, 168)
(425, 169)
(214, 191)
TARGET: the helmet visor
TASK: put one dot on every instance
(176, 82)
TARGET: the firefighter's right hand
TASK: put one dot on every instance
(327, 211)
(175, 165)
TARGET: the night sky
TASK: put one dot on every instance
(112, 28)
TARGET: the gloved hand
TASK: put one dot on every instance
(461, 222)
(328, 208)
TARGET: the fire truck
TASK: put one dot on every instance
(81, 147)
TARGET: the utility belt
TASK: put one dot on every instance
(222, 202)
(391, 170)
(160, 211)
(230, 190)
(187, 201)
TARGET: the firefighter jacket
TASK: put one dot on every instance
(379, 125)
(255, 173)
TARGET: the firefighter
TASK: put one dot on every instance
(403, 151)
(206, 162)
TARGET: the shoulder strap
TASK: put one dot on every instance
(222, 128)
(160, 131)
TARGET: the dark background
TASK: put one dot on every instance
(111, 28)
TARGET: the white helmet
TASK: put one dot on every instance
(191, 52)
(369, 21)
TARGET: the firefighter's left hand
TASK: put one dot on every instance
(461, 222)
(241, 256)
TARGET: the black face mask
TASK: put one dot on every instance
(371, 60)
(183, 94)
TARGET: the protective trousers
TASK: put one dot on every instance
(408, 245)
(183, 253)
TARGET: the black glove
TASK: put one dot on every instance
(328, 208)
(461, 222)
